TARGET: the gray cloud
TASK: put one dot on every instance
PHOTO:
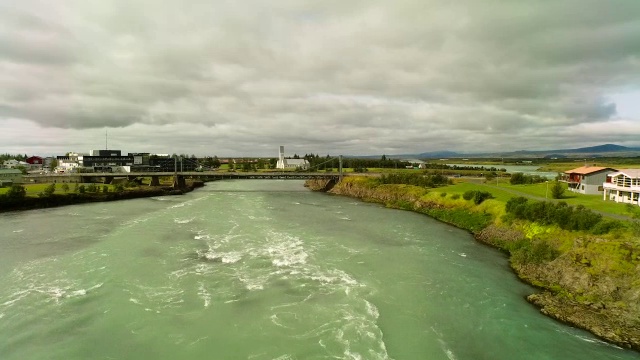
(353, 77)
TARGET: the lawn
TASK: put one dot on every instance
(34, 189)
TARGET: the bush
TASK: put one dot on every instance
(119, 188)
(105, 189)
(481, 196)
(16, 192)
(65, 187)
(455, 196)
(92, 188)
(477, 196)
(49, 190)
(81, 189)
(520, 178)
(469, 194)
(443, 194)
(547, 213)
(557, 190)
(606, 226)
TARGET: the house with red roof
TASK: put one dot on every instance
(587, 180)
(623, 186)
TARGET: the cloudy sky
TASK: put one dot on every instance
(236, 78)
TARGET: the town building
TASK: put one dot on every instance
(284, 163)
(9, 177)
(587, 180)
(35, 162)
(623, 186)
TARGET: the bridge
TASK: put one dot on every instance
(179, 178)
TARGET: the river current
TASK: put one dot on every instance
(263, 270)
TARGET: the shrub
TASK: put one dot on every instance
(49, 190)
(477, 196)
(119, 188)
(455, 196)
(81, 189)
(443, 194)
(566, 217)
(16, 192)
(92, 188)
(557, 190)
(105, 189)
(65, 187)
(469, 194)
(520, 178)
(606, 226)
(481, 196)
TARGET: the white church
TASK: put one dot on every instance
(290, 163)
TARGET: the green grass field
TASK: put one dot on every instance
(504, 191)
(34, 189)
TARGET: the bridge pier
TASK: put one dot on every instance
(108, 179)
(155, 181)
(179, 182)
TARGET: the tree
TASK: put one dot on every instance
(53, 165)
(557, 190)
(49, 190)
(16, 192)
(65, 187)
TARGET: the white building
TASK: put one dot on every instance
(290, 163)
(623, 186)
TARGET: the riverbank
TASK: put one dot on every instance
(55, 200)
(588, 281)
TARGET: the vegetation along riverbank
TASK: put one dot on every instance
(587, 266)
(42, 196)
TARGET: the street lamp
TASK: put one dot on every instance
(546, 194)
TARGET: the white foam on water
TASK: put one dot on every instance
(1, 315)
(176, 206)
(345, 218)
(284, 357)
(182, 221)
(135, 301)
(286, 250)
(204, 295)
(18, 231)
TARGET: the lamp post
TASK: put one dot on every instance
(546, 194)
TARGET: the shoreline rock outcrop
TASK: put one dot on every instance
(592, 284)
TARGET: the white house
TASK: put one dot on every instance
(290, 163)
(623, 186)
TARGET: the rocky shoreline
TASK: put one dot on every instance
(605, 303)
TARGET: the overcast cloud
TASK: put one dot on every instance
(236, 78)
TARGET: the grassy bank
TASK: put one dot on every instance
(588, 280)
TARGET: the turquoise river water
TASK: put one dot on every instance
(263, 270)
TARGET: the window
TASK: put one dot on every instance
(582, 187)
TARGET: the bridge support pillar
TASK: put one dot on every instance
(179, 182)
(108, 179)
(155, 181)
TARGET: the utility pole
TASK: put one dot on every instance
(340, 165)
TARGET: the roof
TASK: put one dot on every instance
(296, 161)
(632, 173)
(585, 170)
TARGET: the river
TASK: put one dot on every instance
(261, 269)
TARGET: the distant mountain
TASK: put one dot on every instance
(440, 154)
(593, 151)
